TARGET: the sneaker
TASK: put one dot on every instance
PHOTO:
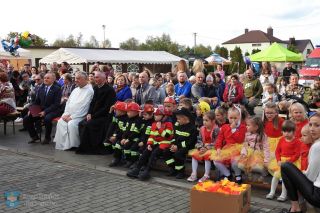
(18, 120)
(180, 175)
(192, 178)
(144, 175)
(270, 196)
(204, 178)
(133, 173)
(172, 172)
(128, 164)
(238, 179)
(282, 199)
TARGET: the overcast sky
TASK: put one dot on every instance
(213, 21)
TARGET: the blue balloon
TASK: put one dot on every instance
(246, 60)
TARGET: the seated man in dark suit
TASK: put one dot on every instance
(48, 98)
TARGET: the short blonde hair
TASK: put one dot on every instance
(299, 106)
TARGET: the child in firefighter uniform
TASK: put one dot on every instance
(185, 137)
(116, 128)
(147, 120)
(128, 144)
(159, 142)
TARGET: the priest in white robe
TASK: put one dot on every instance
(77, 106)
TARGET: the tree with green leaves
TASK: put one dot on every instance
(92, 43)
(203, 51)
(130, 44)
(106, 43)
(237, 60)
(79, 39)
(70, 41)
(255, 51)
(222, 51)
(161, 43)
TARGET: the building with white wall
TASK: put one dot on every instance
(257, 39)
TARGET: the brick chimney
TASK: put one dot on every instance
(270, 31)
(246, 31)
(292, 41)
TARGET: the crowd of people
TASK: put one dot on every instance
(210, 117)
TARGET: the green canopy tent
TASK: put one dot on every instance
(276, 53)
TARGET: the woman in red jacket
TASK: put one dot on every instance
(233, 93)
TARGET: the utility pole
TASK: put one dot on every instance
(104, 36)
(195, 43)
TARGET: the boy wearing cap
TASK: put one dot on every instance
(185, 137)
(130, 137)
(116, 128)
(161, 136)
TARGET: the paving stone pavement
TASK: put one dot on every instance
(48, 186)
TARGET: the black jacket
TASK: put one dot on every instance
(103, 98)
(117, 126)
(145, 130)
(133, 129)
(185, 136)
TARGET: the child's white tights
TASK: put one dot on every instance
(274, 184)
(207, 167)
(222, 168)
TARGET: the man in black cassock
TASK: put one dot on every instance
(92, 129)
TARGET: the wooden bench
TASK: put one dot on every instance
(160, 165)
(7, 118)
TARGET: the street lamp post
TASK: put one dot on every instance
(104, 36)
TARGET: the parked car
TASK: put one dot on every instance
(311, 69)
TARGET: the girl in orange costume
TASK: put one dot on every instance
(228, 144)
(207, 137)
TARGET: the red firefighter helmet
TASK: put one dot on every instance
(148, 108)
(162, 111)
(133, 107)
(119, 105)
(170, 100)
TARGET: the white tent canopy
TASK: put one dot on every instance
(79, 56)
(23, 54)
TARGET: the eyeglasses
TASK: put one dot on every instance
(37, 79)
(270, 113)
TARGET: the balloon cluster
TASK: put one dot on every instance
(24, 39)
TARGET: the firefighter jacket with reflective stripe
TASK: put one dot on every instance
(117, 126)
(146, 130)
(185, 136)
(132, 129)
(163, 136)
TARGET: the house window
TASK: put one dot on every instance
(308, 51)
(256, 45)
